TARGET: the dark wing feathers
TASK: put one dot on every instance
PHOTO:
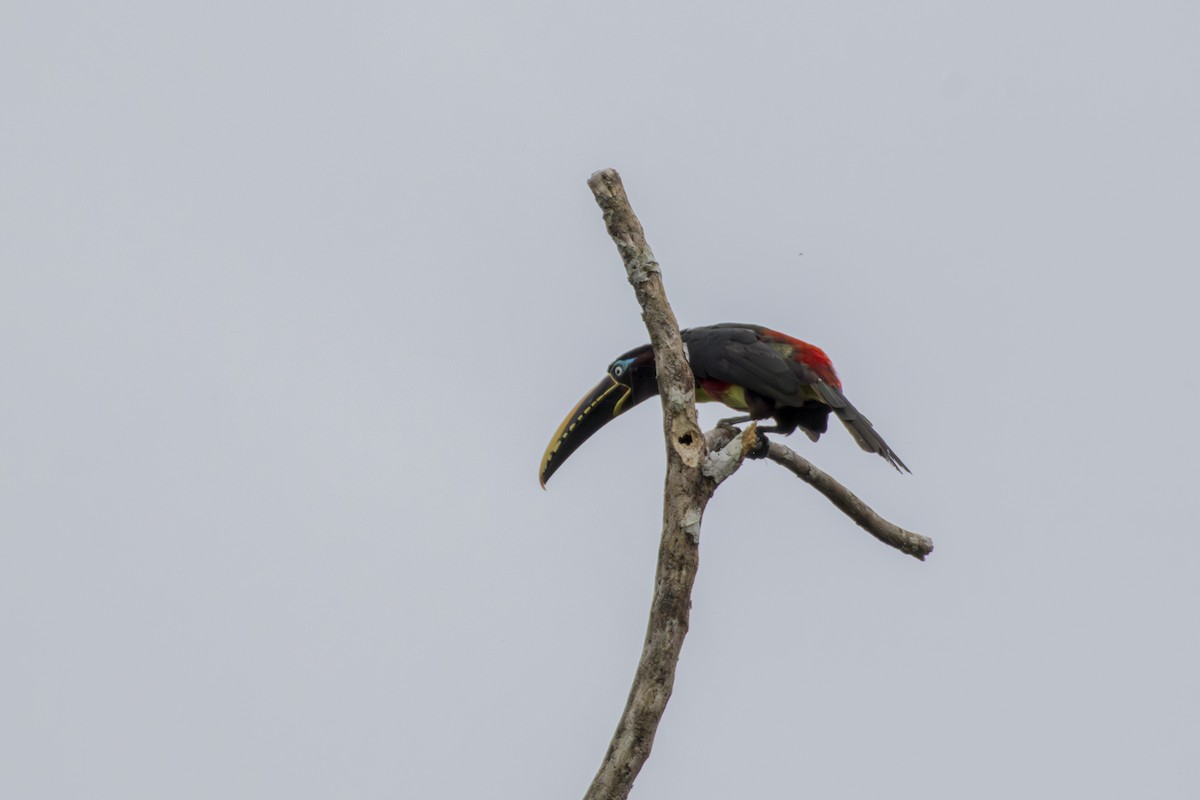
(737, 356)
(734, 354)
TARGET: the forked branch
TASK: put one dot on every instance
(696, 464)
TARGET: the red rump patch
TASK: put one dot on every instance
(715, 389)
(809, 355)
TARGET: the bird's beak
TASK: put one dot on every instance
(604, 402)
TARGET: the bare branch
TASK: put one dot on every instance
(905, 541)
(687, 492)
(727, 450)
(696, 464)
(677, 386)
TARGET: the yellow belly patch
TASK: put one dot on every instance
(734, 397)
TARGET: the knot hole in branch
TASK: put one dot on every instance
(686, 439)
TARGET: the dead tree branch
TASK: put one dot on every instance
(848, 502)
(696, 464)
(687, 492)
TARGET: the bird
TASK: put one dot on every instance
(749, 368)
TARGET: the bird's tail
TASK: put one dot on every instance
(859, 426)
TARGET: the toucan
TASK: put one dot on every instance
(749, 368)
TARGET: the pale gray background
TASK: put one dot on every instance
(294, 295)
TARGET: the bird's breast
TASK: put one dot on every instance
(710, 391)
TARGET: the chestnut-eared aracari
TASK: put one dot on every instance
(748, 368)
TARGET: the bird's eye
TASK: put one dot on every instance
(618, 370)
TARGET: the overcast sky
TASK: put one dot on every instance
(294, 296)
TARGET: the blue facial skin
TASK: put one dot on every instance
(619, 370)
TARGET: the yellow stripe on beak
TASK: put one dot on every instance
(582, 412)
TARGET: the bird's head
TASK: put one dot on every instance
(631, 378)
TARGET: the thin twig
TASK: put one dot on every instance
(905, 541)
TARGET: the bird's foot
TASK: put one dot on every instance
(761, 445)
(733, 422)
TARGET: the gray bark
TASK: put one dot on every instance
(685, 496)
(696, 464)
(905, 541)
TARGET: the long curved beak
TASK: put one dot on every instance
(608, 399)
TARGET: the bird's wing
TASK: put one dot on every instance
(738, 356)
(750, 357)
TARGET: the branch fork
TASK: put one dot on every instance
(696, 465)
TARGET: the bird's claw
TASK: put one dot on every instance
(761, 445)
